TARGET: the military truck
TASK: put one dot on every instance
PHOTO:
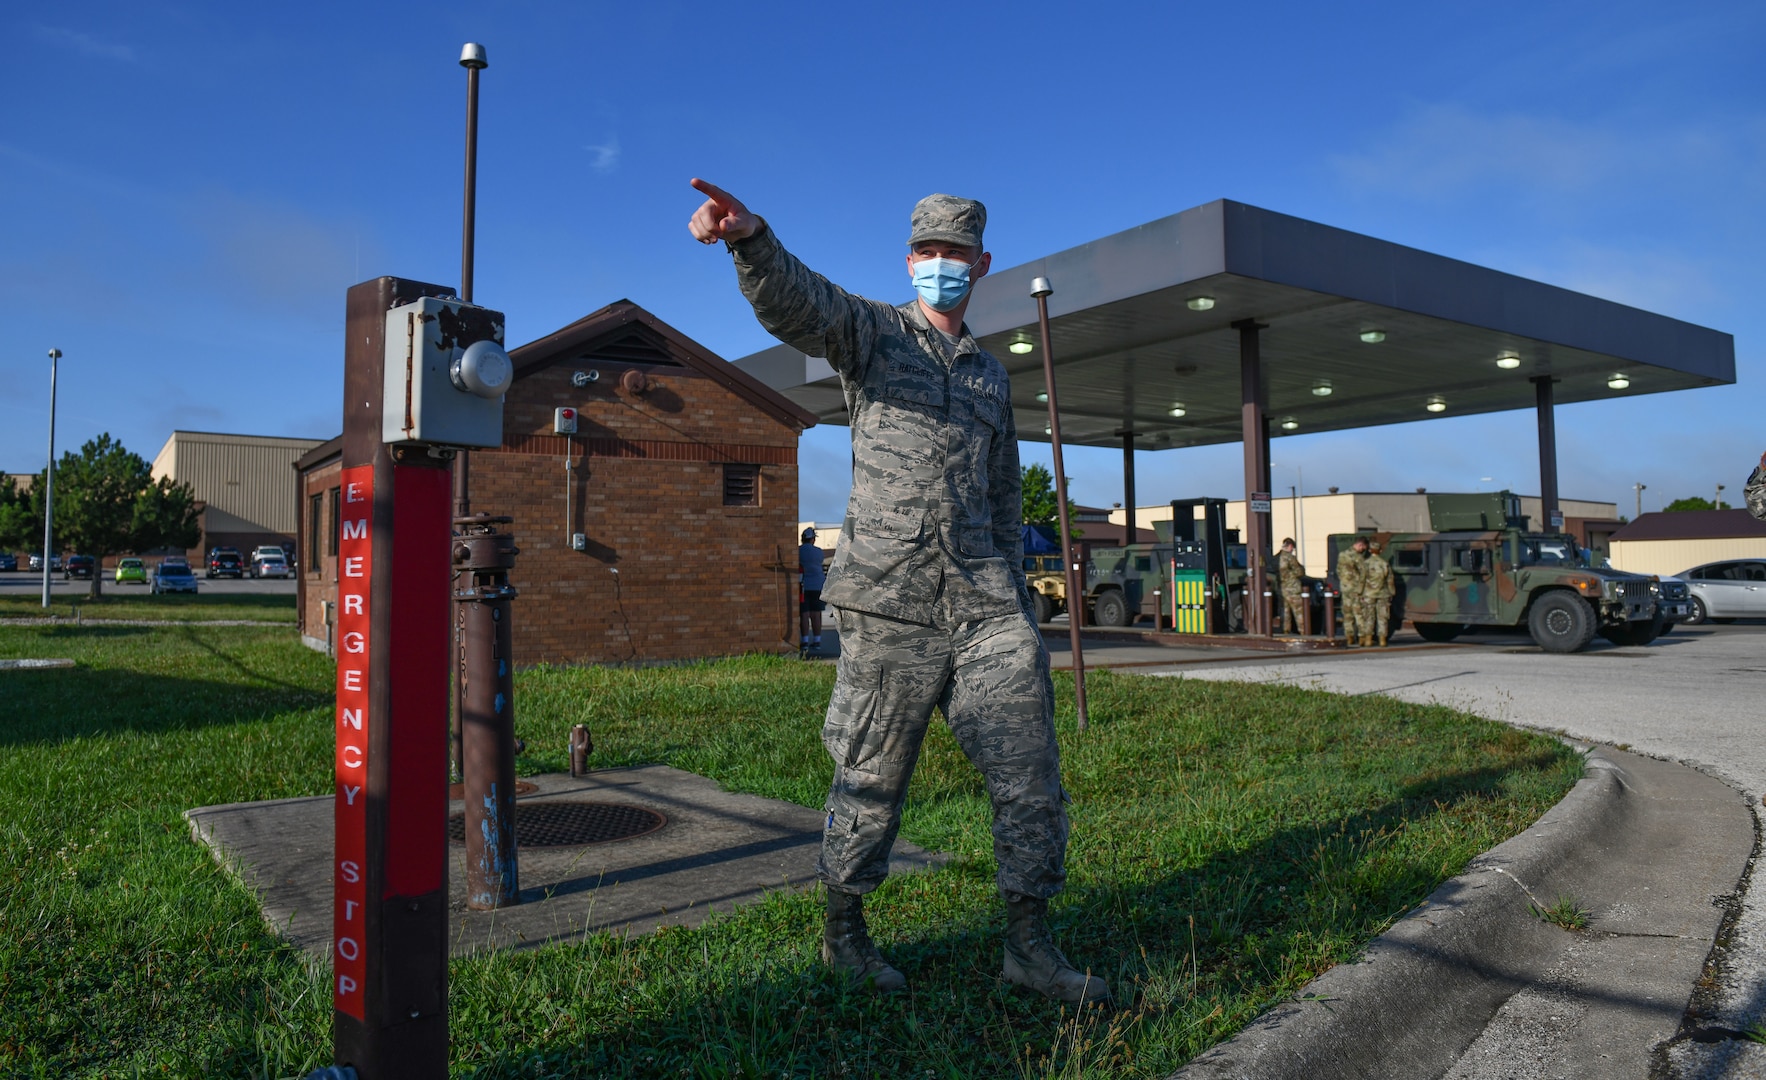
(1048, 585)
(1482, 567)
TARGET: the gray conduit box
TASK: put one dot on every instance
(446, 374)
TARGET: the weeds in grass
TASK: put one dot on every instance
(1755, 1032)
(1229, 843)
(1566, 912)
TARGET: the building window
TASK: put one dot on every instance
(336, 523)
(315, 522)
(741, 485)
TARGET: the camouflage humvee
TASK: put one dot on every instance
(1048, 585)
(1481, 568)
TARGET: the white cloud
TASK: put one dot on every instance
(606, 155)
(85, 44)
(1442, 150)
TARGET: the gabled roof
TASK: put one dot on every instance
(1692, 525)
(623, 332)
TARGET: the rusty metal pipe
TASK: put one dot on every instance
(1040, 289)
(483, 556)
(581, 746)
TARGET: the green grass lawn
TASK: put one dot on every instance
(135, 602)
(1229, 842)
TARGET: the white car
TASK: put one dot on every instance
(265, 564)
(1728, 590)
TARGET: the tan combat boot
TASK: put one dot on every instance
(847, 947)
(1032, 961)
(1367, 640)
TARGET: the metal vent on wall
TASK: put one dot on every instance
(741, 485)
(635, 348)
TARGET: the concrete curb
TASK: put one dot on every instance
(1645, 844)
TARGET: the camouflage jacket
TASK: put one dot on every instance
(1290, 572)
(1376, 578)
(932, 530)
(1755, 492)
(1349, 573)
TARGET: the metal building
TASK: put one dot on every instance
(244, 483)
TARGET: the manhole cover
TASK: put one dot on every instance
(569, 824)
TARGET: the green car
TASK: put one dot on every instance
(131, 570)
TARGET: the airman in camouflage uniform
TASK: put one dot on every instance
(928, 579)
(1350, 584)
(1292, 577)
(1377, 588)
(1755, 491)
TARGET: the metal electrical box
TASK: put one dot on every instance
(446, 373)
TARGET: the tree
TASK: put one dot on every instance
(21, 515)
(1696, 503)
(1039, 504)
(107, 503)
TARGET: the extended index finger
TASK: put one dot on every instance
(716, 194)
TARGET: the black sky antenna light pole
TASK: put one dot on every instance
(1040, 289)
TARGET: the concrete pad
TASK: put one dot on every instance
(33, 665)
(1473, 986)
(718, 851)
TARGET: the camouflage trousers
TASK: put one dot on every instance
(1358, 617)
(1380, 611)
(991, 680)
(1291, 603)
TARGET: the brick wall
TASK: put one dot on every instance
(696, 578)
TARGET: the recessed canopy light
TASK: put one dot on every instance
(1200, 303)
(1322, 389)
(1046, 430)
(1290, 424)
(1508, 361)
(1373, 337)
(1019, 348)
(1178, 410)
(1042, 395)
(1436, 405)
(1618, 382)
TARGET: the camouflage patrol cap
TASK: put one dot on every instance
(948, 218)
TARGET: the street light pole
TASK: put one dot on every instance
(49, 481)
(1639, 488)
(1717, 502)
(1040, 289)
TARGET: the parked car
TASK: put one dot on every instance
(37, 562)
(225, 562)
(8, 561)
(1674, 602)
(270, 563)
(131, 570)
(1725, 591)
(171, 577)
(79, 566)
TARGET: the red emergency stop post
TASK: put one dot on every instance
(389, 952)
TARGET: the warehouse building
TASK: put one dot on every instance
(664, 529)
(242, 482)
(1670, 542)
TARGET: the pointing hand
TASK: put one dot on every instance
(721, 217)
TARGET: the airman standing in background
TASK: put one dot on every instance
(1292, 577)
(1377, 589)
(1349, 575)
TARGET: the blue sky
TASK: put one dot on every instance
(189, 189)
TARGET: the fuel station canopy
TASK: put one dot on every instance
(1353, 332)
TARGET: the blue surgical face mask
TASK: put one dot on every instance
(942, 283)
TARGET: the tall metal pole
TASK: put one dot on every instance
(1040, 289)
(49, 481)
(1548, 452)
(474, 59)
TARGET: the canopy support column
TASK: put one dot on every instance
(1128, 487)
(1548, 452)
(1256, 438)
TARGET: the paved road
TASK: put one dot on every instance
(28, 584)
(1697, 696)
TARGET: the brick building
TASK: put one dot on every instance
(681, 481)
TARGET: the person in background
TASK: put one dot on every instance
(809, 563)
(1377, 588)
(1349, 584)
(1292, 577)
